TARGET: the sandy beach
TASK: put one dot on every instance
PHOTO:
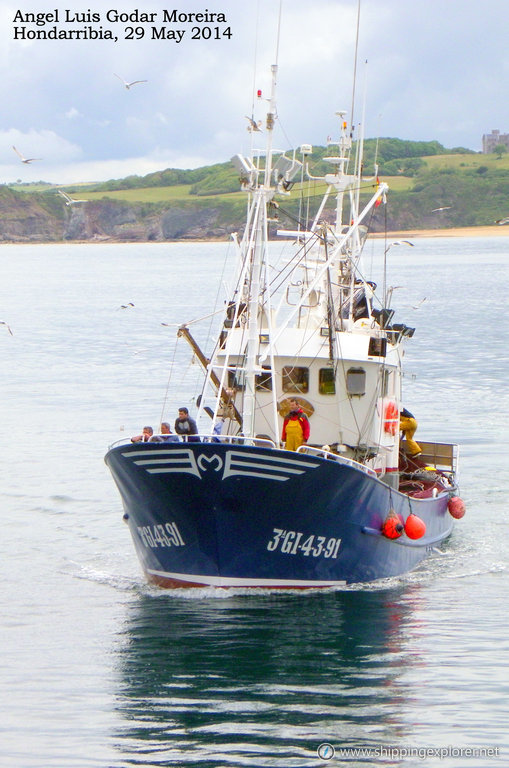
(491, 231)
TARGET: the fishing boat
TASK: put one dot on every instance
(310, 351)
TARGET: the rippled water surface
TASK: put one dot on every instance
(98, 669)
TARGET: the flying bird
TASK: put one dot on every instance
(402, 242)
(2, 322)
(443, 208)
(126, 306)
(69, 200)
(129, 85)
(419, 303)
(502, 221)
(25, 159)
(253, 126)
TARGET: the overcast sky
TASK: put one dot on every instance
(435, 70)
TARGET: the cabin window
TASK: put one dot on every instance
(356, 381)
(295, 379)
(326, 381)
(236, 380)
(264, 381)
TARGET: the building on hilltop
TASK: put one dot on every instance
(492, 140)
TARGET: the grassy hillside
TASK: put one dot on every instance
(204, 202)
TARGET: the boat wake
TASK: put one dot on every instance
(107, 578)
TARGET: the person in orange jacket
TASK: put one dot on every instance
(295, 427)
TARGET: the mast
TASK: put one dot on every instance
(258, 246)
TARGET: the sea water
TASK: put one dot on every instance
(98, 669)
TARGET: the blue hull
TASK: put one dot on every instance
(232, 515)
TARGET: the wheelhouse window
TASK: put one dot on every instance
(356, 381)
(326, 381)
(377, 347)
(263, 381)
(295, 379)
(236, 380)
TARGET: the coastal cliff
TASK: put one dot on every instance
(430, 188)
(40, 218)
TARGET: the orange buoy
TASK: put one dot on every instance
(391, 418)
(456, 507)
(415, 528)
(392, 526)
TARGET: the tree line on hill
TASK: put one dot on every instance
(469, 194)
(393, 157)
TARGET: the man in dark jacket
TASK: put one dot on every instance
(185, 425)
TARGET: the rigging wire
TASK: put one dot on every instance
(302, 252)
(220, 283)
(165, 398)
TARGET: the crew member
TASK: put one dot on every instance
(166, 435)
(144, 437)
(185, 425)
(295, 427)
(408, 425)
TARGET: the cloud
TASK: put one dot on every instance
(53, 150)
(47, 143)
(72, 171)
(434, 71)
(72, 113)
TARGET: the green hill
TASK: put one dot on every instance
(471, 188)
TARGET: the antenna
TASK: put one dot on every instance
(278, 31)
(255, 64)
(355, 61)
(271, 114)
(362, 131)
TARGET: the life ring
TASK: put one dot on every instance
(283, 406)
(391, 418)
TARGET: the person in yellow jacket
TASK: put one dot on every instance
(295, 427)
(408, 425)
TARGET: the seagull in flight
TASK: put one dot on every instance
(126, 306)
(402, 242)
(129, 85)
(419, 303)
(2, 322)
(502, 221)
(253, 126)
(443, 208)
(25, 159)
(69, 200)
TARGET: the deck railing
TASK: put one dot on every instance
(443, 456)
(325, 454)
(259, 442)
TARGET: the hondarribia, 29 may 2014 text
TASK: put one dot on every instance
(115, 24)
